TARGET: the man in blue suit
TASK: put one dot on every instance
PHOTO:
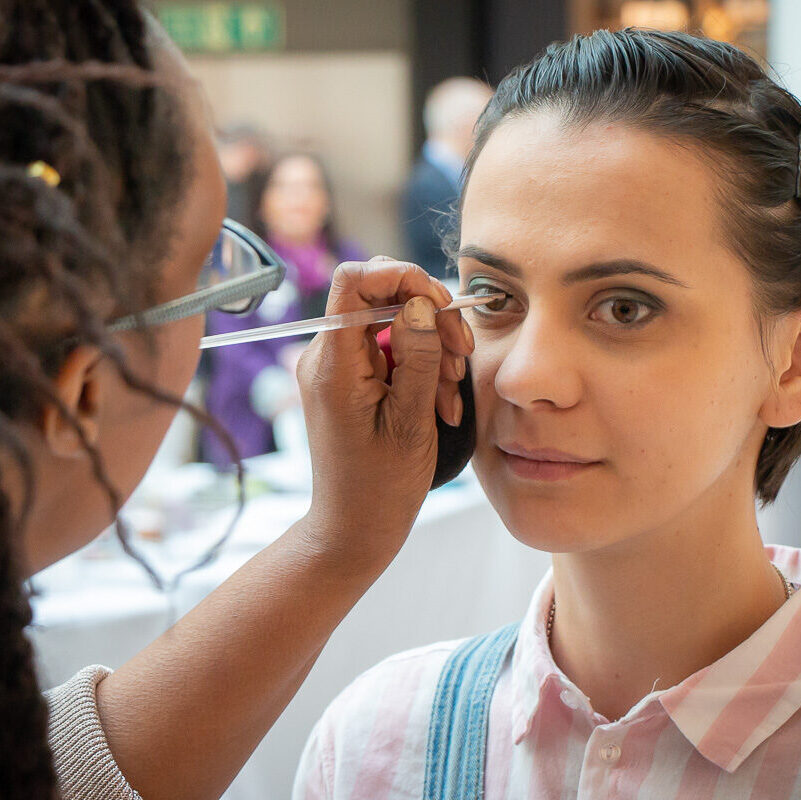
(449, 114)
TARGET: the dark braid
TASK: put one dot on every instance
(78, 91)
(30, 773)
(26, 770)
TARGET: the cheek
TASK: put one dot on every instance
(679, 428)
(694, 406)
(170, 368)
(270, 205)
(321, 207)
(134, 424)
(484, 366)
(179, 353)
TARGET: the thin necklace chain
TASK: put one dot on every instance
(788, 591)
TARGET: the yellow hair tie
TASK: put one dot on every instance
(43, 170)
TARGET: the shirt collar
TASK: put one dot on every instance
(532, 663)
(725, 710)
(729, 708)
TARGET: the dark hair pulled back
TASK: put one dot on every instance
(715, 97)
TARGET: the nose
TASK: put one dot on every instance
(539, 368)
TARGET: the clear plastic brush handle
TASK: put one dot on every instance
(351, 319)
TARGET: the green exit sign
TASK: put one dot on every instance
(223, 27)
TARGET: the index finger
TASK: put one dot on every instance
(360, 285)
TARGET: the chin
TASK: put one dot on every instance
(556, 531)
(554, 540)
(542, 517)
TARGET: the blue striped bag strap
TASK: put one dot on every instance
(457, 733)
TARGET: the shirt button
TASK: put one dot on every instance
(610, 753)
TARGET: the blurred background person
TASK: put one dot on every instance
(450, 112)
(249, 384)
(245, 158)
(296, 219)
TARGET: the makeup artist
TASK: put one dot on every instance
(111, 200)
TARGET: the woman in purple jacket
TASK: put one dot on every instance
(297, 222)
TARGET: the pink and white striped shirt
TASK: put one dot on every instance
(730, 731)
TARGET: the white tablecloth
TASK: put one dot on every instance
(460, 573)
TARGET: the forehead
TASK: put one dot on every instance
(541, 192)
(300, 168)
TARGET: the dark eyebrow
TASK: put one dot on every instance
(600, 269)
(496, 262)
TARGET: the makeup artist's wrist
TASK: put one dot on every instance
(353, 548)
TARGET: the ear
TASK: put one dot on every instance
(783, 408)
(79, 389)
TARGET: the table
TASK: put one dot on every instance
(459, 573)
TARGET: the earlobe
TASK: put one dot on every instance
(78, 387)
(783, 408)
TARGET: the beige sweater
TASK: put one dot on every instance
(85, 766)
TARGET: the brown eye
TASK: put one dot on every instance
(501, 304)
(497, 305)
(627, 312)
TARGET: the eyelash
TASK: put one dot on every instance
(653, 304)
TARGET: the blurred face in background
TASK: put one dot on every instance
(451, 110)
(295, 204)
(240, 159)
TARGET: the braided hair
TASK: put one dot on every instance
(78, 90)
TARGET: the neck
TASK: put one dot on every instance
(649, 612)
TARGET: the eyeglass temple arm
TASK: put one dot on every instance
(255, 285)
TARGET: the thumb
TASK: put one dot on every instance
(417, 352)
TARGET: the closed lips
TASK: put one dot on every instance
(543, 454)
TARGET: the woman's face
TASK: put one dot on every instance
(295, 203)
(658, 381)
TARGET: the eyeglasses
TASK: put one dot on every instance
(235, 277)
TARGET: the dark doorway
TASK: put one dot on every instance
(480, 38)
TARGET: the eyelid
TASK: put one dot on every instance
(485, 280)
(477, 282)
(630, 293)
(608, 293)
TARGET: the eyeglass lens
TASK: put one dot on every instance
(231, 257)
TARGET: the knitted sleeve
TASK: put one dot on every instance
(84, 763)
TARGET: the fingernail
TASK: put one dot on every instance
(457, 410)
(419, 313)
(468, 334)
(458, 363)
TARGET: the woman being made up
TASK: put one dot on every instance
(248, 385)
(111, 199)
(636, 195)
